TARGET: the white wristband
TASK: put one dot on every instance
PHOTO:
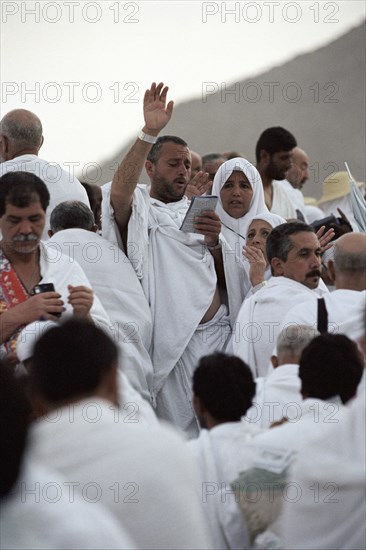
(147, 137)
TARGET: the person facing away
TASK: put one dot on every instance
(21, 138)
(223, 389)
(144, 476)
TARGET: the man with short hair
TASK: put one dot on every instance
(296, 176)
(211, 162)
(25, 263)
(344, 306)
(143, 476)
(274, 156)
(223, 389)
(294, 253)
(277, 393)
(177, 270)
(330, 370)
(114, 281)
(21, 137)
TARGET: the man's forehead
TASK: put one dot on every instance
(34, 205)
(305, 239)
(174, 150)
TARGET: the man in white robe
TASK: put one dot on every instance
(20, 141)
(294, 253)
(345, 306)
(114, 281)
(223, 389)
(26, 262)
(144, 476)
(274, 156)
(177, 270)
(278, 395)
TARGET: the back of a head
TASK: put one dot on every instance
(293, 339)
(70, 214)
(225, 385)
(21, 189)
(273, 140)
(350, 255)
(154, 153)
(331, 365)
(14, 412)
(70, 360)
(23, 127)
(278, 243)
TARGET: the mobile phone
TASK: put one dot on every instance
(45, 287)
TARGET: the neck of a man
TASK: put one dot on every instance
(25, 151)
(20, 258)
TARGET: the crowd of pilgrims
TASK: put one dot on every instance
(163, 388)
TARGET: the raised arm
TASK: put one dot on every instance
(157, 115)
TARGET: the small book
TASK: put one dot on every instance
(198, 205)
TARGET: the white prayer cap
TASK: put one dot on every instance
(28, 337)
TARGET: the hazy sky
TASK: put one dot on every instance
(83, 67)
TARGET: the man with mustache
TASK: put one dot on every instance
(26, 262)
(294, 254)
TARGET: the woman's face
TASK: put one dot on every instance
(257, 235)
(236, 194)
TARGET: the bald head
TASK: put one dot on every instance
(196, 164)
(348, 268)
(298, 174)
(20, 133)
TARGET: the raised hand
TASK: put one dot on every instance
(198, 185)
(156, 113)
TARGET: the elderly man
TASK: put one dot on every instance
(21, 137)
(344, 307)
(274, 156)
(294, 253)
(177, 270)
(24, 264)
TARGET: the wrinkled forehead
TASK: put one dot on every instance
(258, 223)
(305, 239)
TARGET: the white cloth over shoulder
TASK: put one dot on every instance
(330, 473)
(258, 324)
(144, 476)
(115, 283)
(281, 201)
(295, 196)
(237, 280)
(346, 310)
(221, 453)
(56, 268)
(177, 273)
(43, 513)
(276, 396)
(61, 185)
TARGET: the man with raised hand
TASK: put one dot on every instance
(176, 269)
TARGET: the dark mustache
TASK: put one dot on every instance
(314, 273)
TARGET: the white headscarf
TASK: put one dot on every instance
(257, 204)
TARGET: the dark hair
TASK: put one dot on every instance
(211, 157)
(331, 365)
(69, 214)
(279, 244)
(225, 385)
(154, 153)
(70, 360)
(14, 412)
(273, 140)
(21, 189)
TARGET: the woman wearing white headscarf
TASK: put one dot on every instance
(239, 187)
(254, 251)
